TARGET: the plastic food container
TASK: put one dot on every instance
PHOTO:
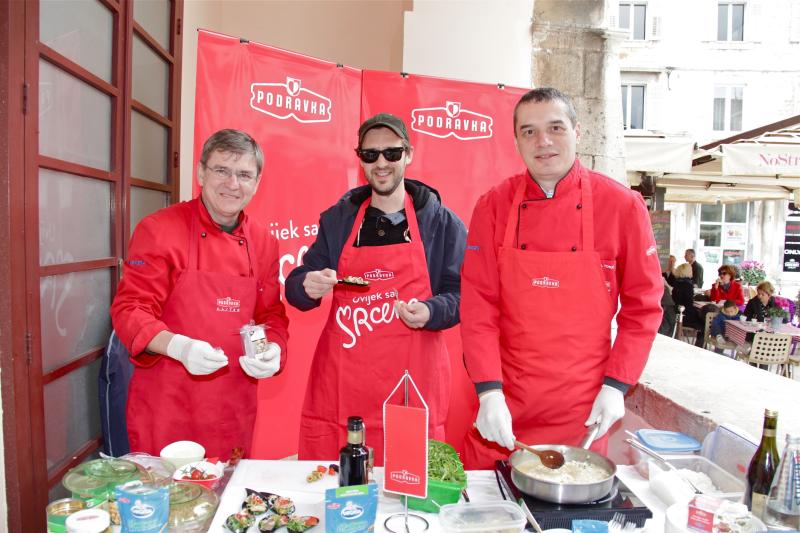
(495, 517)
(94, 481)
(59, 510)
(159, 469)
(729, 487)
(730, 448)
(668, 442)
(191, 508)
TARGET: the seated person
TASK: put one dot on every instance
(757, 307)
(683, 294)
(668, 273)
(726, 288)
(730, 311)
(668, 307)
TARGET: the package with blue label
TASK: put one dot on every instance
(143, 507)
(351, 509)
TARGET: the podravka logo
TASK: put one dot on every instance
(451, 121)
(290, 100)
(404, 476)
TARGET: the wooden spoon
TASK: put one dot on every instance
(550, 458)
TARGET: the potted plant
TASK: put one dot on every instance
(752, 272)
(776, 315)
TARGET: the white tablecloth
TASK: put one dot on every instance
(288, 478)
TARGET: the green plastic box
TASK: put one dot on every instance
(439, 492)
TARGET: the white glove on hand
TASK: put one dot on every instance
(198, 357)
(494, 419)
(266, 366)
(608, 407)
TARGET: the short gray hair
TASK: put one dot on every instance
(547, 94)
(234, 141)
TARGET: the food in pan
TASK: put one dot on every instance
(239, 522)
(571, 472)
(272, 522)
(298, 524)
(283, 506)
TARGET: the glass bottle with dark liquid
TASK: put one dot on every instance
(353, 458)
(762, 467)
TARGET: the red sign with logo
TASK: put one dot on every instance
(305, 113)
(405, 444)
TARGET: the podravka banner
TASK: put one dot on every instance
(463, 139)
(304, 113)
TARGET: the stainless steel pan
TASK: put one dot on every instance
(556, 492)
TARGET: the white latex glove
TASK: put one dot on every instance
(198, 357)
(608, 407)
(268, 363)
(494, 419)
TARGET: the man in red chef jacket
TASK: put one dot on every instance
(550, 254)
(196, 273)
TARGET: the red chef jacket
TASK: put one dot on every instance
(623, 239)
(158, 257)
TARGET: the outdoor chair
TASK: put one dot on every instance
(771, 349)
(710, 340)
(794, 360)
(685, 334)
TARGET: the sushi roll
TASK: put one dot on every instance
(272, 522)
(283, 506)
(298, 524)
(267, 497)
(239, 522)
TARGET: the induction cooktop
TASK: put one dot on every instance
(555, 515)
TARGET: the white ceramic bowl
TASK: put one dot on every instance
(183, 452)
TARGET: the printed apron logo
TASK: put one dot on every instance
(228, 305)
(378, 275)
(404, 476)
(451, 121)
(290, 100)
(368, 312)
(545, 282)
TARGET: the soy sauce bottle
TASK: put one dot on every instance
(353, 457)
(762, 467)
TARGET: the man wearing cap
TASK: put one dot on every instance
(395, 234)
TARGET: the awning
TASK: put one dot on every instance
(658, 154)
(760, 164)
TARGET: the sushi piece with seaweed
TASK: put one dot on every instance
(283, 506)
(239, 522)
(299, 524)
(272, 522)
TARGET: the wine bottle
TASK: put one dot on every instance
(353, 457)
(762, 467)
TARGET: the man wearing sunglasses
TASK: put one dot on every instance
(395, 234)
(196, 273)
(551, 253)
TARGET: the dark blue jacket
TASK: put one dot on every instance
(718, 324)
(444, 238)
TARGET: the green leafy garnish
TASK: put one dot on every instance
(443, 463)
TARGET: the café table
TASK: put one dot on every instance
(742, 331)
(288, 478)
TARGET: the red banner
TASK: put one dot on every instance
(305, 114)
(405, 441)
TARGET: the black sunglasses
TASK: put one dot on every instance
(370, 155)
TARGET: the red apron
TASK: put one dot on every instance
(365, 347)
(165, 402)
(555, 338)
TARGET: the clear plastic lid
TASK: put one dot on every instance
(477, 517)
(98, 478)
(88, 521)
(191, 507)
(668, 441)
